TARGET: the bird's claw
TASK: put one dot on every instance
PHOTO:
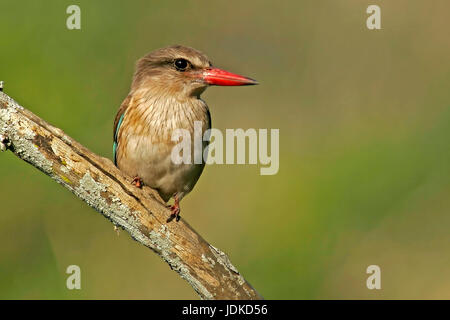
(137, 182)
(4, 142)
(175, 213)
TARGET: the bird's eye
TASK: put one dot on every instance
(181, 64)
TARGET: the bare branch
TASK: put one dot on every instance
(140, 212)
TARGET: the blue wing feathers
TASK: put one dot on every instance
(116, 143)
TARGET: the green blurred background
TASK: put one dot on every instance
(364, 119)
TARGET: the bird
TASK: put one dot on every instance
(165, 96)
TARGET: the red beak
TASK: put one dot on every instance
(219, 77)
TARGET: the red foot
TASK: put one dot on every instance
(175, 211)
(138, 182)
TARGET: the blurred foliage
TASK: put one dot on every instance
(364, 119)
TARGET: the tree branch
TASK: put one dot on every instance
(140, 212)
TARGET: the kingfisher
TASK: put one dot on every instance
(165, 96)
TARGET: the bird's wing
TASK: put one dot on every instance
(117, 123)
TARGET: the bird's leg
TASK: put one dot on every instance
(137, 182)
(175, 208)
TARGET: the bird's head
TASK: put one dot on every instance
(182, 72)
